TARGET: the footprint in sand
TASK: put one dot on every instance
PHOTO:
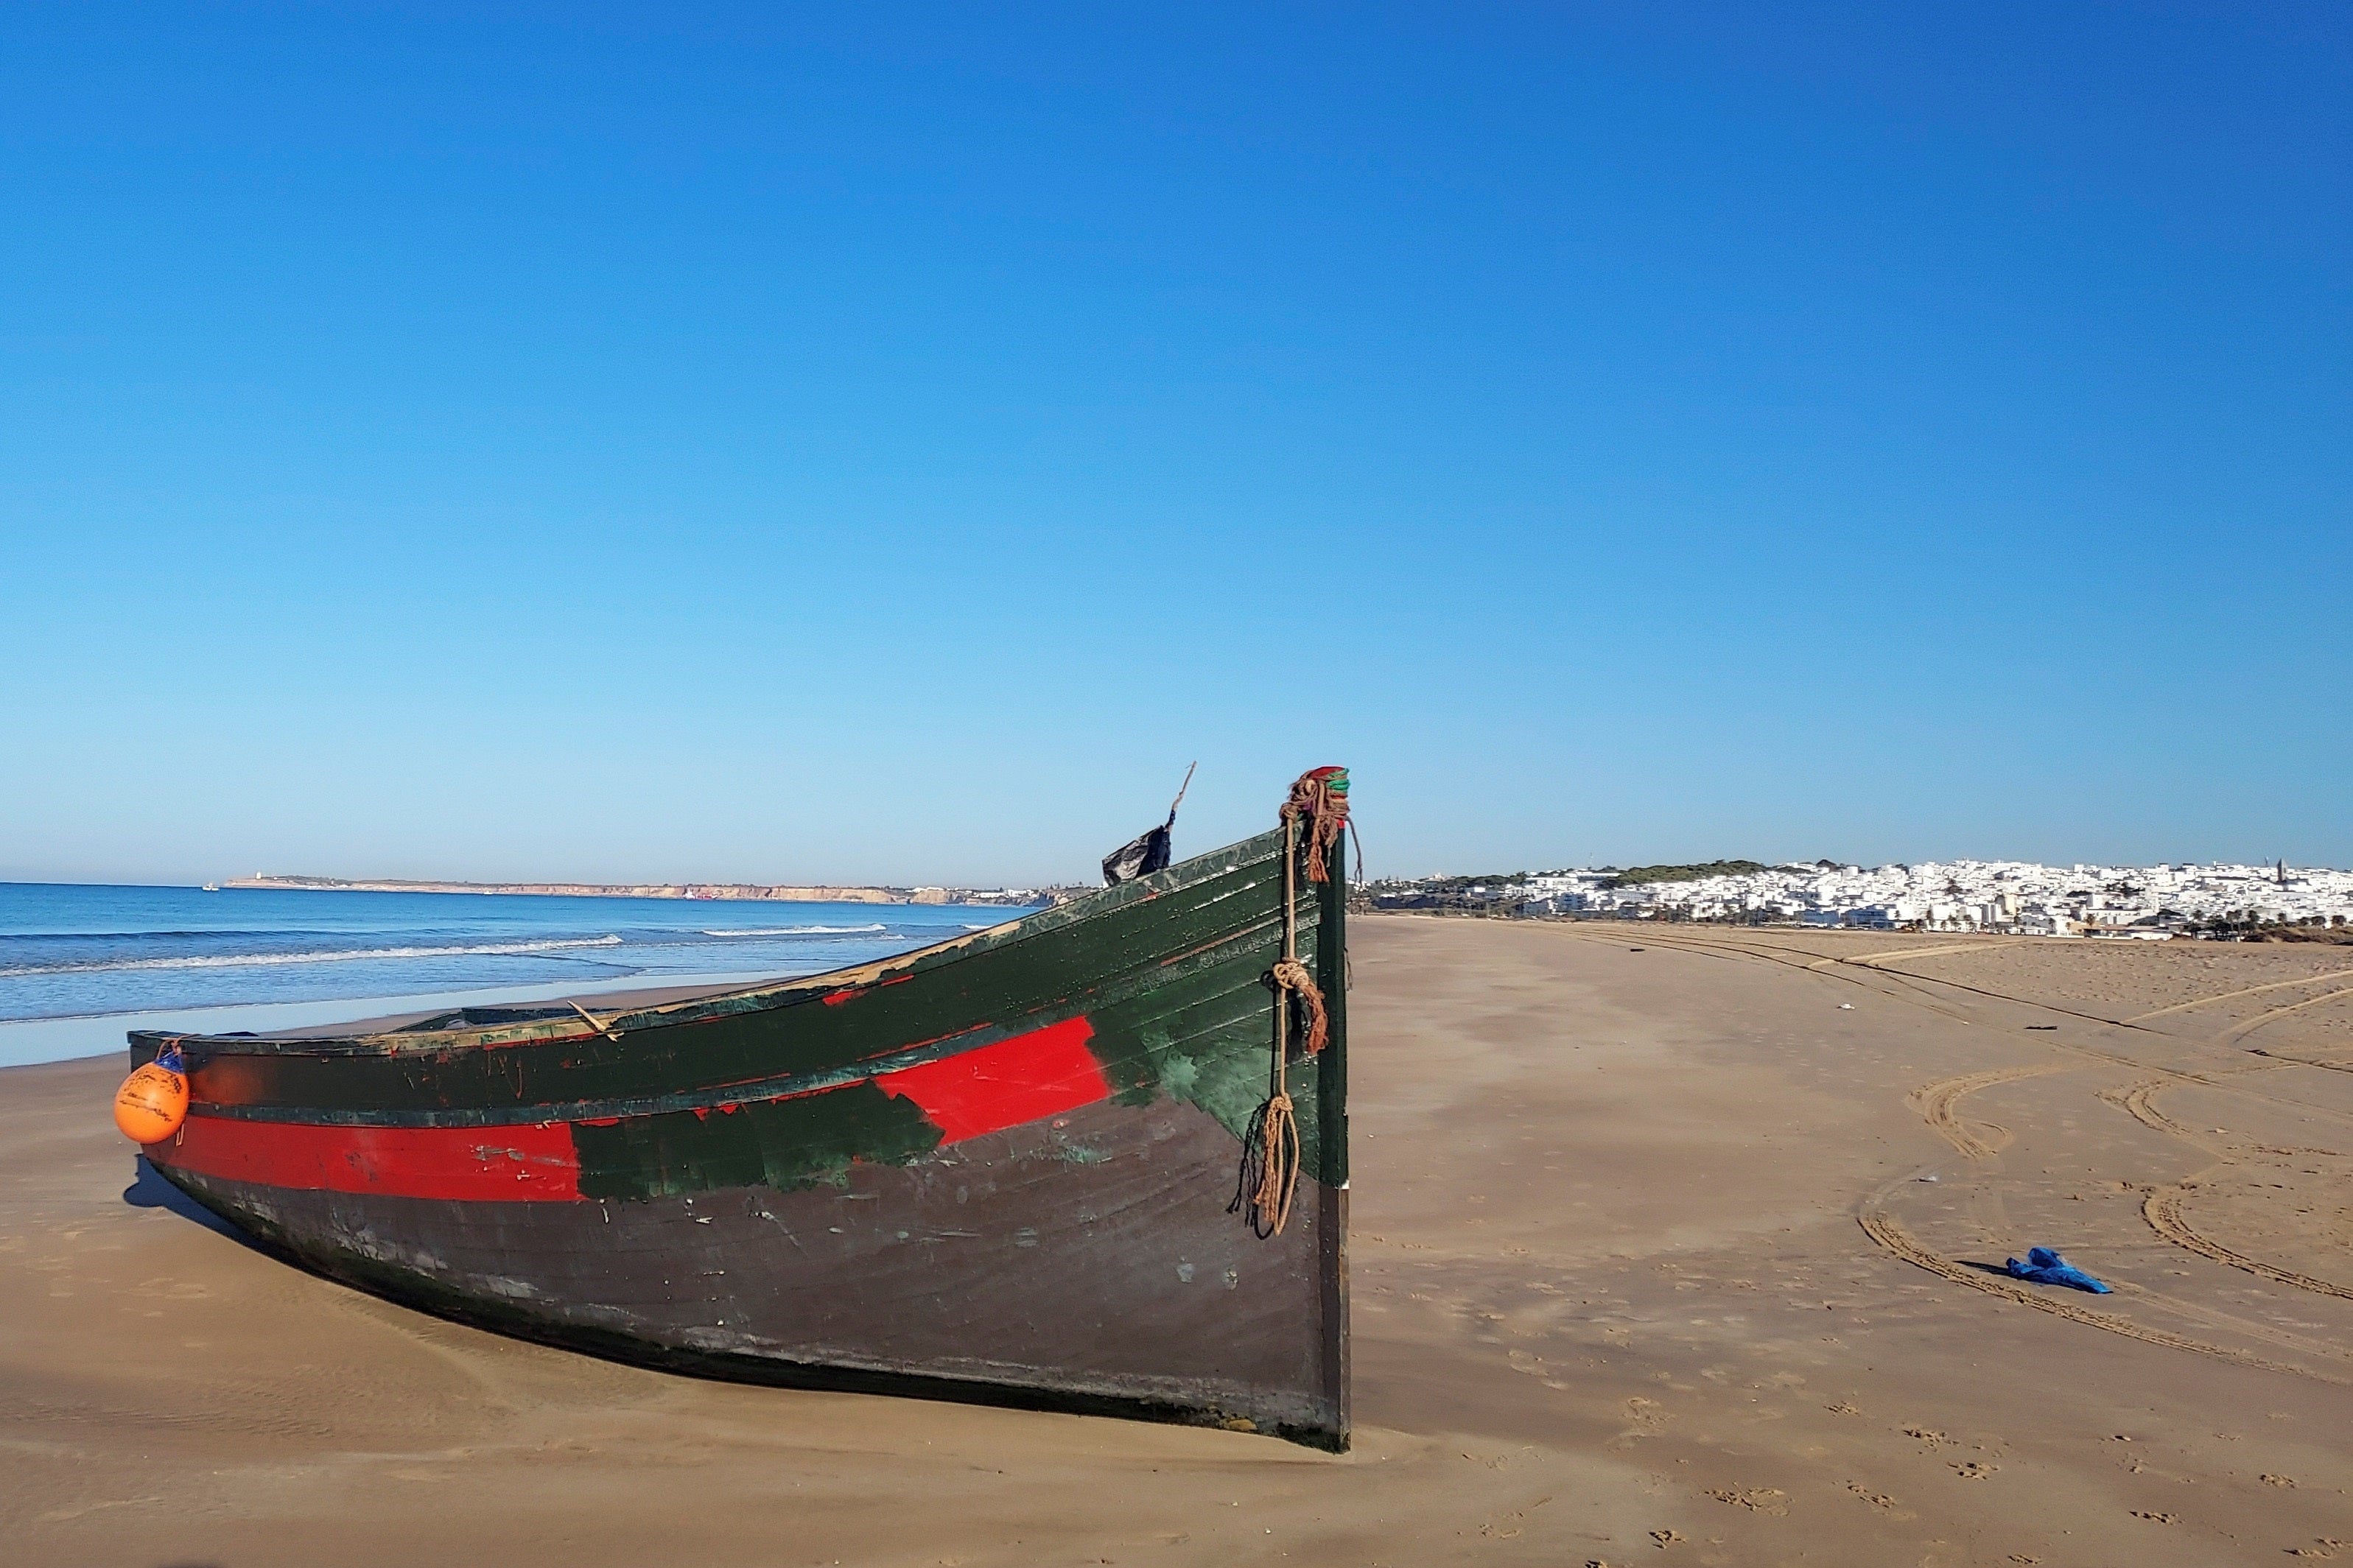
(1770, 1501)
(1881, 1500)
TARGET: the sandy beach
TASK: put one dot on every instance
(1672, 1245)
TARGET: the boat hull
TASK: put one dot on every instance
(1013, 1170)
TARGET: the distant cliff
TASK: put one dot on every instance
(1010, 896)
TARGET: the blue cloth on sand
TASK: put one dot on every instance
(2045, 1267)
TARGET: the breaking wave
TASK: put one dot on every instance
(241, 960)
(800, 930)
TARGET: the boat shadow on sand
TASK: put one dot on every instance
(149, 1190)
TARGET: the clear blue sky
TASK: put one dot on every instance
(778, 443)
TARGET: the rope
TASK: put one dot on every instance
(1279, 1170)
(1278, 1136)
(1318, 808)
(170, 1059)
(1320, 797)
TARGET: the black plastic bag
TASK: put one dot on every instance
(1148, 852)
(1138, 857)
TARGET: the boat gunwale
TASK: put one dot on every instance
(763, 996)
(725, 1097)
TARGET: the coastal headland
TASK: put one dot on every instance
(808, 895)
(1671, 1245)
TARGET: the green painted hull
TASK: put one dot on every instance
(1006, 1168)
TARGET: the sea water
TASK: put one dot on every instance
(80, 965)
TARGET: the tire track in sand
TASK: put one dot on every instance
(1872, 961)
(1811, 962)
(2243, 991)
(2162, 1209)
(2309, 1061)
(2141, 1103)
(1888, 1233)
(1768, 953)
(1935, 1103)
(2236, 1030)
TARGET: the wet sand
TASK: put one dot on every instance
(1647, 1270)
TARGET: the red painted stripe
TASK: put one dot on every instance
(481, 1164)
(987, 1089)
(990, 1088)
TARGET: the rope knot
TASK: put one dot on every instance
(1292, 977)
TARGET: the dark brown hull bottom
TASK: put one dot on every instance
(1079, 1264)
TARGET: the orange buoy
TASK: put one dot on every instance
(154, 1101)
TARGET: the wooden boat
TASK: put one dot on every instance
(1026, 1166)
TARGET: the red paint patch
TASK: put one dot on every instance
(852, 993)
(523, 1164)
(990, 1088)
